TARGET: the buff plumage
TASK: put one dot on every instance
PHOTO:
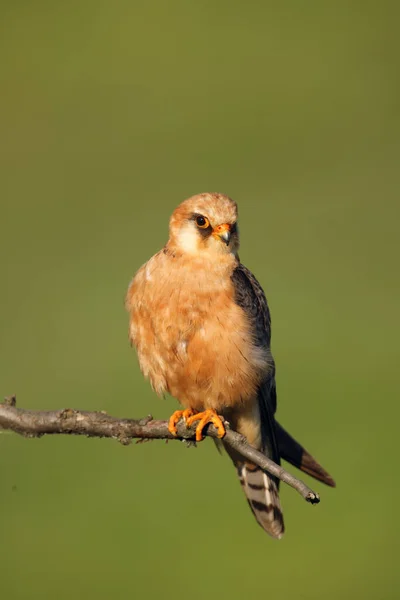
(200, 324)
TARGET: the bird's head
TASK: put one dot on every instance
(205, 223)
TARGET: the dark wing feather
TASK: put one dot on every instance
(276, 441)
(292, 451)
(251, 298)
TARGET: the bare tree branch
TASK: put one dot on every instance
(31, 423)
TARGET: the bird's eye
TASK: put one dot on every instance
(202, 222)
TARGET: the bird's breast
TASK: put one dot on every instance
(192, 339)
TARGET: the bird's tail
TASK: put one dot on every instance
(262, 494)
(261, 490)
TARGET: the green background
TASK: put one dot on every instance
(111, 113)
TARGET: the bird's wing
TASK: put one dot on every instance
(292, 451)
(259, 486)
(250, 297)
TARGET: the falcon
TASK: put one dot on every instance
(201, 326)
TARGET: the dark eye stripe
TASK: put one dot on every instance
(205, 232)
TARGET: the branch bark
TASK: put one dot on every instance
(31, 424)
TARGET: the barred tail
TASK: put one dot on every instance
(260, 488)
(262, 495)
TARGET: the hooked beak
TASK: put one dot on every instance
(223, 232)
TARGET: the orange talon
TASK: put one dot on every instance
(176, 417)
(205, 417)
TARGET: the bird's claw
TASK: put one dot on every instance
(207, 416)
(190, 416)
(176, 417)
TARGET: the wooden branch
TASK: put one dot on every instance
(31, 423)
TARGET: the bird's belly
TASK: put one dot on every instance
(204, 359)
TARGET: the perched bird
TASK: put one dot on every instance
(201, 326)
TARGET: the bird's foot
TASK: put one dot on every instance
(190, 416)
(205, 417)
(177, 416)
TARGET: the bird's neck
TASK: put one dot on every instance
(202, 262)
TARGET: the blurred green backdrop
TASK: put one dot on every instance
(111, 113)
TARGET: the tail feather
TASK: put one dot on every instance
(262, 495)
(260, 488)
